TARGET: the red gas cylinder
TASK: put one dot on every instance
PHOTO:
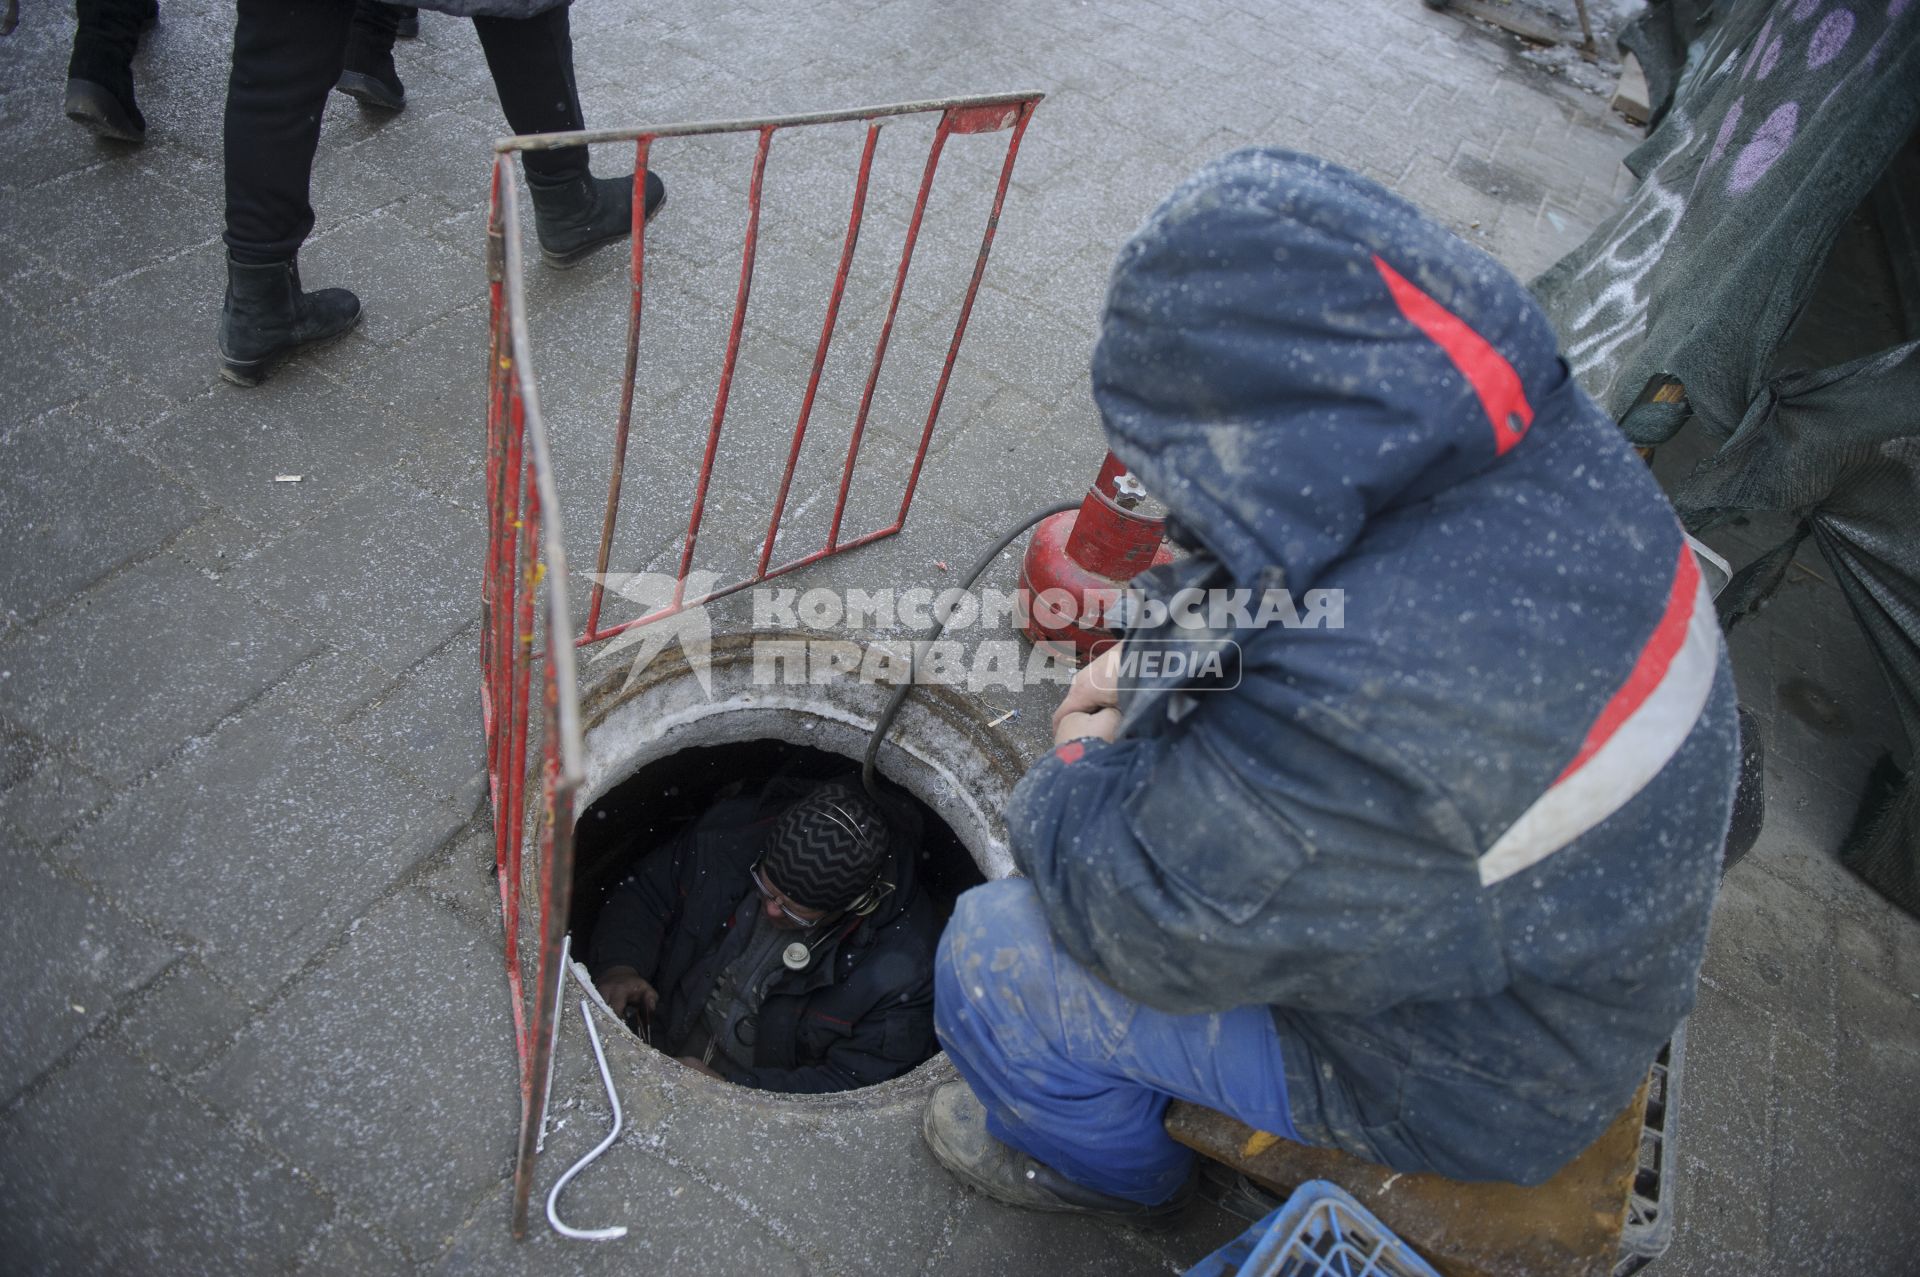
(1079, 561)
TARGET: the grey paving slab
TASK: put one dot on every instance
(48, 147)
(672, 1230)
(388, 1072)
(19, 755)
(218, 544)
(347, 188)
(112, 1170)
(309, 831)
(1043, 254)
(183, 1019)
(434, 398)
(998, 342)
(1728, 1078)
(1721, 1219)
(157, 325)
(988, 1238)
(70, 959)
(1462, 208)
(460, 879)
(48, 364)
(831, 1204)
(83, 225)
(77, 504)
(1824, 1216)
(1877, 1047)
(120, 406)
(1807, 817)
(1868, 945)
(404, 278)
(343, 1246)
(154, 655)
(1769, 945)
(235, 445)
(428, 726)
(337, 684)
(456, 219)
(761, 50)
(52, 796)
(429, 148)
(390, 571)
(982, 475)
(1803, 1055)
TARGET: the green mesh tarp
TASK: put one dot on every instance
(1775, 120)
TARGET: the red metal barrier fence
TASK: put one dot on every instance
(524, 594)
(524, 591)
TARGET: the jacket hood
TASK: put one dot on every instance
(1289, 350)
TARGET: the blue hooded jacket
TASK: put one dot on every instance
(1465, 842)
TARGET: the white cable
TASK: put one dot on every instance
(553, 1195)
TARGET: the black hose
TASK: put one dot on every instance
(942, 616)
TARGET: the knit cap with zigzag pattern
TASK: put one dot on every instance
(827, 849)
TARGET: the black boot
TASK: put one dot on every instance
(100, 68)
(579, 214)
(409, 25)
(266, 315)
(368, 74)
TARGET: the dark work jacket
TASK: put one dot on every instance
(862, 1010)
(1449, 842)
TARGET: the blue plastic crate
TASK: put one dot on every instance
(1320, 1232)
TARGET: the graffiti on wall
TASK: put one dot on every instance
(1755, 100)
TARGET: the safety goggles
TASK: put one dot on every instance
(772, 897)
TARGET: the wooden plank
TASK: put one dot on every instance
(1630, 95)
(1569, 1226)
(1502, 16)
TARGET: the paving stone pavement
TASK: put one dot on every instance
(257, 1021)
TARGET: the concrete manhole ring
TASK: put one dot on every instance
(939, 749)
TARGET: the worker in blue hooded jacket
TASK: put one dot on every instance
(1429, 885)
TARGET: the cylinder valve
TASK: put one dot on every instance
(1079, 562)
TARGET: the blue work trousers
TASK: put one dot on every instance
(1077, 1075)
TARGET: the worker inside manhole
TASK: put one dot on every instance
(752, 911)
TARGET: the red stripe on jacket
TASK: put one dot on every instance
(1655, 658)
(1486, 369)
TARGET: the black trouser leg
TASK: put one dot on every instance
(370, 43)
(532, 64)
(369, 74)
(104, 39)
(286, 56)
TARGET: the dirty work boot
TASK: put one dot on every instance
(100, 68)
(955, 1126)
(579, 214)
(368, 74)
(266, 316)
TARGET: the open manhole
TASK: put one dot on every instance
(664, 748)
(663, 798)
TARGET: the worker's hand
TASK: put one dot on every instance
(624, 988)
(1103, 723)
(1094, 688)
(698, 1065)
